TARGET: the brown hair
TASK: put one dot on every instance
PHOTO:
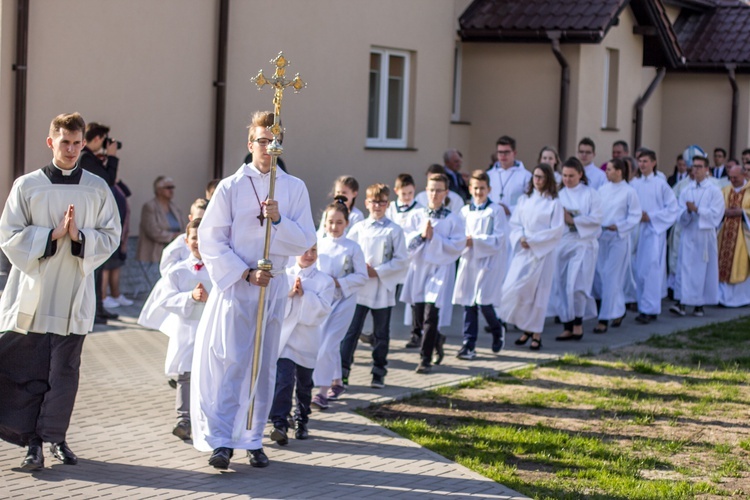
(549, 183)
(199, 204)
(622, 166)
(576, 164)
(94, 130)
(211, 186)
(481, 176)
(259, 119)
(72, 122)
(403, 180)
(193, 224)
(378, 191)
(552, 150)
(348, 181)
(441, 178)
(338, 205)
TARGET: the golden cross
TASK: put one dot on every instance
(279, 83)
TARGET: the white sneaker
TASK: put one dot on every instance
(110, 303)
(123, 300)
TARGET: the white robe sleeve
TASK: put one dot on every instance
(589, 225)
(176, 301)
(711, 213)
(316, 306)
(23, 243)
(488, 245)
(633, 217)
(543, 242)
(295, 232)
(391, 273)
(355, 280)
(444, 249)
(666, 216)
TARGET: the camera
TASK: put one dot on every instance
(108, 141)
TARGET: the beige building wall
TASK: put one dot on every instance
(696, 109)
(7, 84)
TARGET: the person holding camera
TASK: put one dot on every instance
(97, 139)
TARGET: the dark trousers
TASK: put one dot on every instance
(38, 385)
(287, 374)
(425, 319)
(381, 336)
(471, 323)
(98, 292)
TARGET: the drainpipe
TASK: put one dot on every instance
(562, 125)
(735, 109)
(19, 126)
(220, 84)
(641, 103)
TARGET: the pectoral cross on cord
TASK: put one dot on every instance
(260, 216)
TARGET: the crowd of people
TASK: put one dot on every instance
(569, 239)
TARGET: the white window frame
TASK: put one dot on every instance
(381, 141)
(611, 89)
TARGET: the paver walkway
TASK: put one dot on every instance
(121, 427)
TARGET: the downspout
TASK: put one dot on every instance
(641, 103)
(735, 109)
(19, 126)
(562, 124)
(220, 84)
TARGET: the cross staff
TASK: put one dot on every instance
(279, 83)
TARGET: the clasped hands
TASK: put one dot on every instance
(66, 226)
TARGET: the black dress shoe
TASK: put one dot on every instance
(220, 458)
(258, 458)
(414, 341)
(106, 314)
(301, 432)
(279, 436)
(100, 320)
(439, 351)
(63, 453)
(34, 458)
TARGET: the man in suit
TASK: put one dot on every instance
(719, 170)
(680, 171)
(453, 159)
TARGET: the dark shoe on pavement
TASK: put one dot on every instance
(678, 309)
(466, 353)
(498, 340)
(182, 430)
(439, 351)
(220, 458)
(536, 344)
(320, 402)
(423, 368)
(301, 432)
(63, 453)
(378, 382)
(34, 458)
(257, 458)
(414, 342)
(100, 320)
(172, 383)
(279, 436)
(643, 319)
(107, 315)
(698, 311)
(365, 338)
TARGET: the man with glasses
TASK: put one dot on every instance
(734, 259)
(586, 154)
(508, 176)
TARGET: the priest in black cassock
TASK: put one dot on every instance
(59, 224)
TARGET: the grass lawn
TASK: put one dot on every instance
(668, 418)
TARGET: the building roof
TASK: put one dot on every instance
(713, 39)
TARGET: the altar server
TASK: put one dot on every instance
(435, 238)
(347, 187)
(621, 212)
(341, 259)
(232, 236)
(536, 227)
(659, 213)
(508, 175)
(577, 252)
(400, 209)
(701, 212)
(309, 304)
(482, 265)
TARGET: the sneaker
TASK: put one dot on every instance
(415, 341)
(698, 311)
(335, 392)
(123, 300)
(423, 368)
(378, 382)
(678, 309)
(182, 430)
(466, 353)
(345, 381)
(320, 402)
(110, 303)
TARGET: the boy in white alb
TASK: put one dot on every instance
(382, 242)
(185, 290)
(482, 267)
(308, 305)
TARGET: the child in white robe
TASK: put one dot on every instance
(186, 288)
(343, 260)
(482, 266)
(177, 251)
(348, 187)
(435, 238)
(575, 259)
(382, 242)
(308, 304)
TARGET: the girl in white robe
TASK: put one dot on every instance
(577, 252)
(348, 187)
(343, 260)
(621, 215)
(536, 227)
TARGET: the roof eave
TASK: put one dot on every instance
(530, 36)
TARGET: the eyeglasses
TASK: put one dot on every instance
(263, 142)
(504, 151)
(436, 190)
(377, 203)
(167, 187)
(585, 152)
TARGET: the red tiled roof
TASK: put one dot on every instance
(717, 37)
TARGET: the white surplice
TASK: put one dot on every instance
(508, 185)
(650, 269)
(456, 202)
(339, 258)
(176, 251)
(304, 315)
(183, 313)
(431, 273)
(400, 213)
(528, 283)
(382, 242)
(575, 259)
(596, 176)
(621, 208)
(482, 268)
(54, 294)
(698, 261)
(152, 315)
(231, 241)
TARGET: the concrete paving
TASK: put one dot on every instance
(121, 427)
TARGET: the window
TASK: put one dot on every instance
(457, 57)
(611, 75)
(388, 99)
